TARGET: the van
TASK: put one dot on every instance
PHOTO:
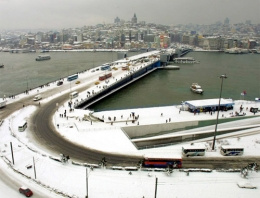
(22, 126)
(74, 94)
(38, 97)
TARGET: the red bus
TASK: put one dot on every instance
(105, 76)
(162, 162)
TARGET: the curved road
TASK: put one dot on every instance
(46, 136)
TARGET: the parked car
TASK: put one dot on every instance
(26, 191)
(59, 83)
(77, 82)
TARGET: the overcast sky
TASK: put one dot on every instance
(58, 14)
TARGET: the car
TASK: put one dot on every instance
(59, 83)
(77, 82)
(26, 191)
(38, 97)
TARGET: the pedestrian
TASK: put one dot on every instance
(58, 125)
(241, 108)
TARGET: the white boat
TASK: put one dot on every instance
(43, 57)
(185, 60)
(237, 50)
(196, 88)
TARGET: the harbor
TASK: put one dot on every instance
(176, 84)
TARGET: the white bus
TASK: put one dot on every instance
(193, 151)
(22, 126)
(74, 94)
(231, 150)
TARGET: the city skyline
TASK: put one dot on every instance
(58, 14)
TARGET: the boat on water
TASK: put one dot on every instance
(196, 88)
(43, 57)
(2, 65)
(237, 50)
(185, 60)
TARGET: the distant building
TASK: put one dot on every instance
(248, 22)
(226, 22)
(117, 20)
(80, 37)
(251, 44)
(134, 19)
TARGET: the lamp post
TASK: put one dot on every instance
(214, 139)
(86, 183)
(87, 176)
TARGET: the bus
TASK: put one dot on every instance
(231, 150)
(74, 94)
(193, 151)
(105, 76)
(162, 162)
(22, 126)
(72, 77)
(105, 67)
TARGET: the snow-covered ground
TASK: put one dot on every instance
(47, 177)
(53, 176)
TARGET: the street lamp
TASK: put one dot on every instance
(214, 139)
(87, 175)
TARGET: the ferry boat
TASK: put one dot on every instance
(196, 88)
(43, 57)
(237, 50)
(185, 60)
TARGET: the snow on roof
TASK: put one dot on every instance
(199, 146)
(163, 155)
(209, 103)
(232, 147)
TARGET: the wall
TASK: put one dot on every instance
(153, 129)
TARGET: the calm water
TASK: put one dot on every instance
(22, 71)
(162, 87)
(167, 87)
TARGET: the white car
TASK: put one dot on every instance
(38, 97)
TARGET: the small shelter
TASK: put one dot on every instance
(209, 105)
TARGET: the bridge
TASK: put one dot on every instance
(139, 66)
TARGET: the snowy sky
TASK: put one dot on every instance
(57, 14)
